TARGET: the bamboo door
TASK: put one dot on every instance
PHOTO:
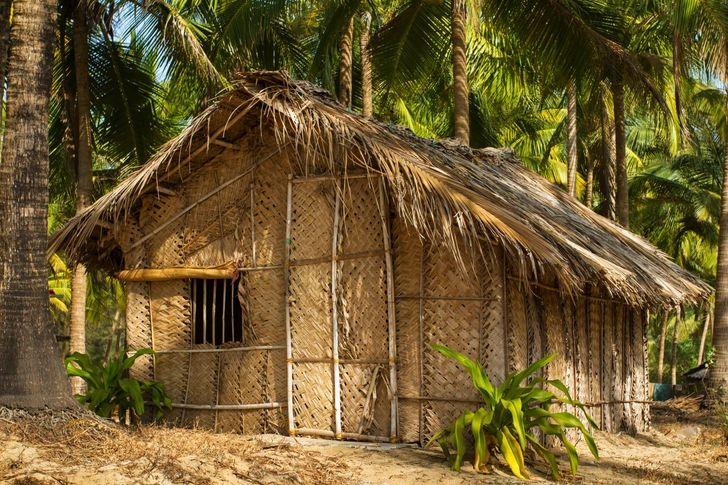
(339, 318)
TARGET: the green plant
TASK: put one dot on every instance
(108, 389)
(510, 412)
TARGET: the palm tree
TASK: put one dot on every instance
(459, 71)
(31, 372)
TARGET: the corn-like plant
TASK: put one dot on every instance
(511, 411)
(108, 390)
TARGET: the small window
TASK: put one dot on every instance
(217, 316)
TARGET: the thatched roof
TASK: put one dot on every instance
(441, 187)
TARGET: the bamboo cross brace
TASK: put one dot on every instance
(209, 194)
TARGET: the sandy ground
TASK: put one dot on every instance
(72, 449)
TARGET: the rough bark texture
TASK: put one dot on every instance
(675, 335)
(31, 372)
(84, 171)
(719, 373)
(661, 355)
(459, 72)
(571, 137)
(4, 43)
(704, 336)
(620, 149)
(366, 65)
(608, 166)
(345, 63)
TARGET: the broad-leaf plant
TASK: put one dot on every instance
(108, 390)
(509, 415)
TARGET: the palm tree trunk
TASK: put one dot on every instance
(608, 165)
(459, 72)
(704, 336)
(84, 171)
(31, 371)
(4, 43)
(571, 136)
(661, 355)
(675, 334)
(589, 190)
(345, 64)
(620, 151)
(366, 66)
(719, 373)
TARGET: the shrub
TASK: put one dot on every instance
(511, 411)
(108, 390)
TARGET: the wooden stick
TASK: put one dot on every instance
(208, 195)
(214, 312)
(227, 407)
(322, 178)
(391, 313)
(331, 434)
(232, 349)
(226, 144)
(287, 286)
(224, 295)
(367, 401)
(335, 313)
(438, 398)
(457, 298)
(338, 257)
(204, 312)
(193, 289)
(329, 360)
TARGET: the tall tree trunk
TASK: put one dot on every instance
(84, 171)
(620, 151)
(366, 65)
(719, 373)
(345, 64)
(589, 190)
(31, 371)
(661, 355)
(608, 166)
(704, 336)
(5, 7)
(675, 335)
(571, 136)
(460, 72)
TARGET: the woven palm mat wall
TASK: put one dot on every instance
(361, 307)
(455, 308)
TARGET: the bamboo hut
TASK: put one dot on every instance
(291, 262)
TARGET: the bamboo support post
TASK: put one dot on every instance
(335, 313)
(252, 219)
(228, 407)
(422, 343)
(392, 329)
(287, 286)
(456, 298)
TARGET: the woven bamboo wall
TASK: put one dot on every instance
(480, 308)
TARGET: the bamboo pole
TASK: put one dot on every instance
(348, 176)
(456, 298)
(335, 313)
(286, 284)
(391, 314)
(224, 295)
(214, 312)
(227, 407)
(252, 218)
(331, 434)
(151, 332)
(213, 351)
(204, 312)
(422, 343)
(208, 195)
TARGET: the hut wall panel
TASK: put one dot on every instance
(533, 326)
(493, 336)
(627, 417)
(594, 349)
(311, 324)
(202, 387)
(516, 331)
(569, 377)
(313, 396)
(607, 364)
(407, 267)
(618, 369)
(640, 382)
(554, 333)
(270, 212)
(581, 353)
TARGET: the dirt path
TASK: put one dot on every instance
(70, 450)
